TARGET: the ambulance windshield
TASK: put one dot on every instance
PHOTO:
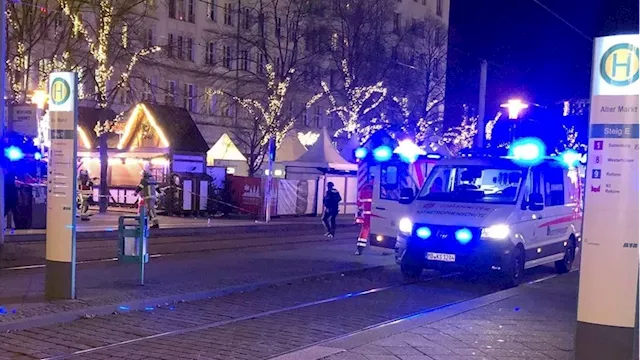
(473, 183)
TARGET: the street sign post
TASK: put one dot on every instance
(607, 304)
(62, 187)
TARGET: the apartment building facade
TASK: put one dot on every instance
(210, 45)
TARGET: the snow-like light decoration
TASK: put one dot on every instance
(425, 125)
(309, 138)
(462, 136)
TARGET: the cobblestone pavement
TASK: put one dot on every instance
(253, 325)
(101, 284)
(537, 323)
(27, 253)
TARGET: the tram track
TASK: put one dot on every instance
(93, 252)
(255, 316)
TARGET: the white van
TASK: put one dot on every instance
(478, 214)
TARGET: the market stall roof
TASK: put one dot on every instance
(323, 155)
(225, 150)
(88, 118)
(291, 148)
(172, 127)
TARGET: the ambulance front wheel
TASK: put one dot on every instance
(411, 272)
(564, 266)
(514, 272)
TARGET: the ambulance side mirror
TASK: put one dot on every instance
(536, 202)
(406, 196)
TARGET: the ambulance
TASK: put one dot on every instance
(389, 179)
(491, 214)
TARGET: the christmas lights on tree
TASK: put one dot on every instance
(100, 44)
(461, 136)
(356, 98)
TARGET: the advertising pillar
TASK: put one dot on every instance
(607, 299)
(62, 187)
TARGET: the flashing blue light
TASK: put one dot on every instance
(423, 232)
(382, 153)
(37, 156)
(571, 157)
(409, 151)
(361, 153)
(527, 151)
(434, 156)
(13, 153)
(463, 236)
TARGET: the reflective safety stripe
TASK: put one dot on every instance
(366, 212)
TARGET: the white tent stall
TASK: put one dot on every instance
(224, 153)
(322, 164)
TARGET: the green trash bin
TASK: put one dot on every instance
(133, 234)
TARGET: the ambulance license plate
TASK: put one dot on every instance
(441, 257)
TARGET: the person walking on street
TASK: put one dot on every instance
(85, 192)
(147, 189)
(11, 199)
(331, 203)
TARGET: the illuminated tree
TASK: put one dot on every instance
(417, 78)
(264, 71)
(358, 102)
(39, 41)
(461, 136)
(111, 41)
(571, 142)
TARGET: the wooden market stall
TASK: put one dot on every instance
(162, 139)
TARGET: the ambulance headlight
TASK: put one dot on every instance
(496, 232)
(405, 225)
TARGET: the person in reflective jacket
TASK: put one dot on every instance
(85, 192)
(331, 203)
(147, 190)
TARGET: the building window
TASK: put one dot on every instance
(170, 95)
(180, 9)
(125, 95)
(317, 116)
(210, 53)
(260, 63)
(191, 11)
(209, 102)
(305, 117)
(244, 60)
(172, 9)
(439, 6)
(147, 91)
(180, 47)
(170, 45)
(212, 10)
(228, 14)
(190, 97)
(278, 27)
(396, 22)
(261, 24)
(190, 55)
(247, 19)
(226, 56)
(149, 41)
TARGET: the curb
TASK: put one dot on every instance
(362, 337)
(180, 232)
(143, 304)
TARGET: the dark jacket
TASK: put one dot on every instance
(332, 200)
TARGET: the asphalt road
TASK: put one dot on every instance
(255, 325)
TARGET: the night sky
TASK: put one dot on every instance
(532, 54)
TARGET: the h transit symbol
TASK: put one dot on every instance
(615, 64)
(58, 90)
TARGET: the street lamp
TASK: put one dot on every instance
(514, 106)
(40, 98)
